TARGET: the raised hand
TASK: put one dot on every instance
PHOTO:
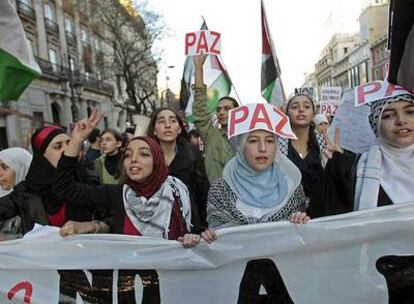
(83, 128)
(199, 60)
(331, 148)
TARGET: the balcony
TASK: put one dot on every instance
(51, 26)
(70, 38)
(26, 11)
(92, 83)
(51, 69)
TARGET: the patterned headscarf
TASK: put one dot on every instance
(150, 185)
(379, 106)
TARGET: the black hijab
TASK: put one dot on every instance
(41, 175)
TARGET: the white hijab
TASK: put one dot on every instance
(384, 165)
(18, 160)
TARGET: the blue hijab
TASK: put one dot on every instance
(262, 189)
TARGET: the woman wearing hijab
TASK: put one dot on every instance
(258, 185)
(107, 166)
(14, 164)
(147, 202)
(34, 199)
(182, 158)
(383, 175)
(307, 150)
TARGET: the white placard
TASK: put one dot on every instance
(356, 133)
(259, 116)
(377, 90)
(202, 42)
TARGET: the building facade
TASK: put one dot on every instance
(361, 58)
(69, 49)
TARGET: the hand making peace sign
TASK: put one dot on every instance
(335, 147)
(84, 127)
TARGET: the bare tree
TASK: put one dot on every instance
(129, 32)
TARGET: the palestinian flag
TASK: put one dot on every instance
(215, 77)
(272, 88)
(401, 43)
(17, 64)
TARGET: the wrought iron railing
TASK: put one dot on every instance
(25, 10)
(51, 25)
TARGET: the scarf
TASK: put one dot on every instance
(150, 185)
(18, 160)
(152, 216)
(41, 175)
(264, 189)
(383, 165)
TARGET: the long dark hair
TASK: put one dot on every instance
(182, 137)
(312, 142)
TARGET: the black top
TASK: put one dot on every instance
(188, 166)
(311, 169)
(338, 185)
(108, 197)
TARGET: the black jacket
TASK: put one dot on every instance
(31, 206)
(188, 166)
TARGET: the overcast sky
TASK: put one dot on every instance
(299, 29)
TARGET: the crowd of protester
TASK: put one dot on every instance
(181, 185)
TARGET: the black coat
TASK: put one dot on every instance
(338, 185)
(30, 206)
(188, 166)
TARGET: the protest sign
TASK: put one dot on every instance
(331, 95)
(259, 116)
(306, 90)
(202, 42)
(343, 259)
(377, 90)
(356, 133)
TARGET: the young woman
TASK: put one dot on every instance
(148, 201)
(184, 161)
(321, 122)
(107, 166)
(383, 175)
(34, 199)
(258, 185)
(305, 152)
(14, 164)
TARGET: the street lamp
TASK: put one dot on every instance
(75, 87)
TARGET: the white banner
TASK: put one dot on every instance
(330, 260)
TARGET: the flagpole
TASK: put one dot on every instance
(232, 85)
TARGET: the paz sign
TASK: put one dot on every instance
(259, 116)
(202, 42)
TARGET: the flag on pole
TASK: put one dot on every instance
(215, 77)
(401, 43)
(17, 64)
(272, 87)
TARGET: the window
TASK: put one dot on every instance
(345, 50)
(53, 56)
(49, 12)
(69, 25)
(53, 59)
(72, 63)
(84, 35)
(97, 44)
